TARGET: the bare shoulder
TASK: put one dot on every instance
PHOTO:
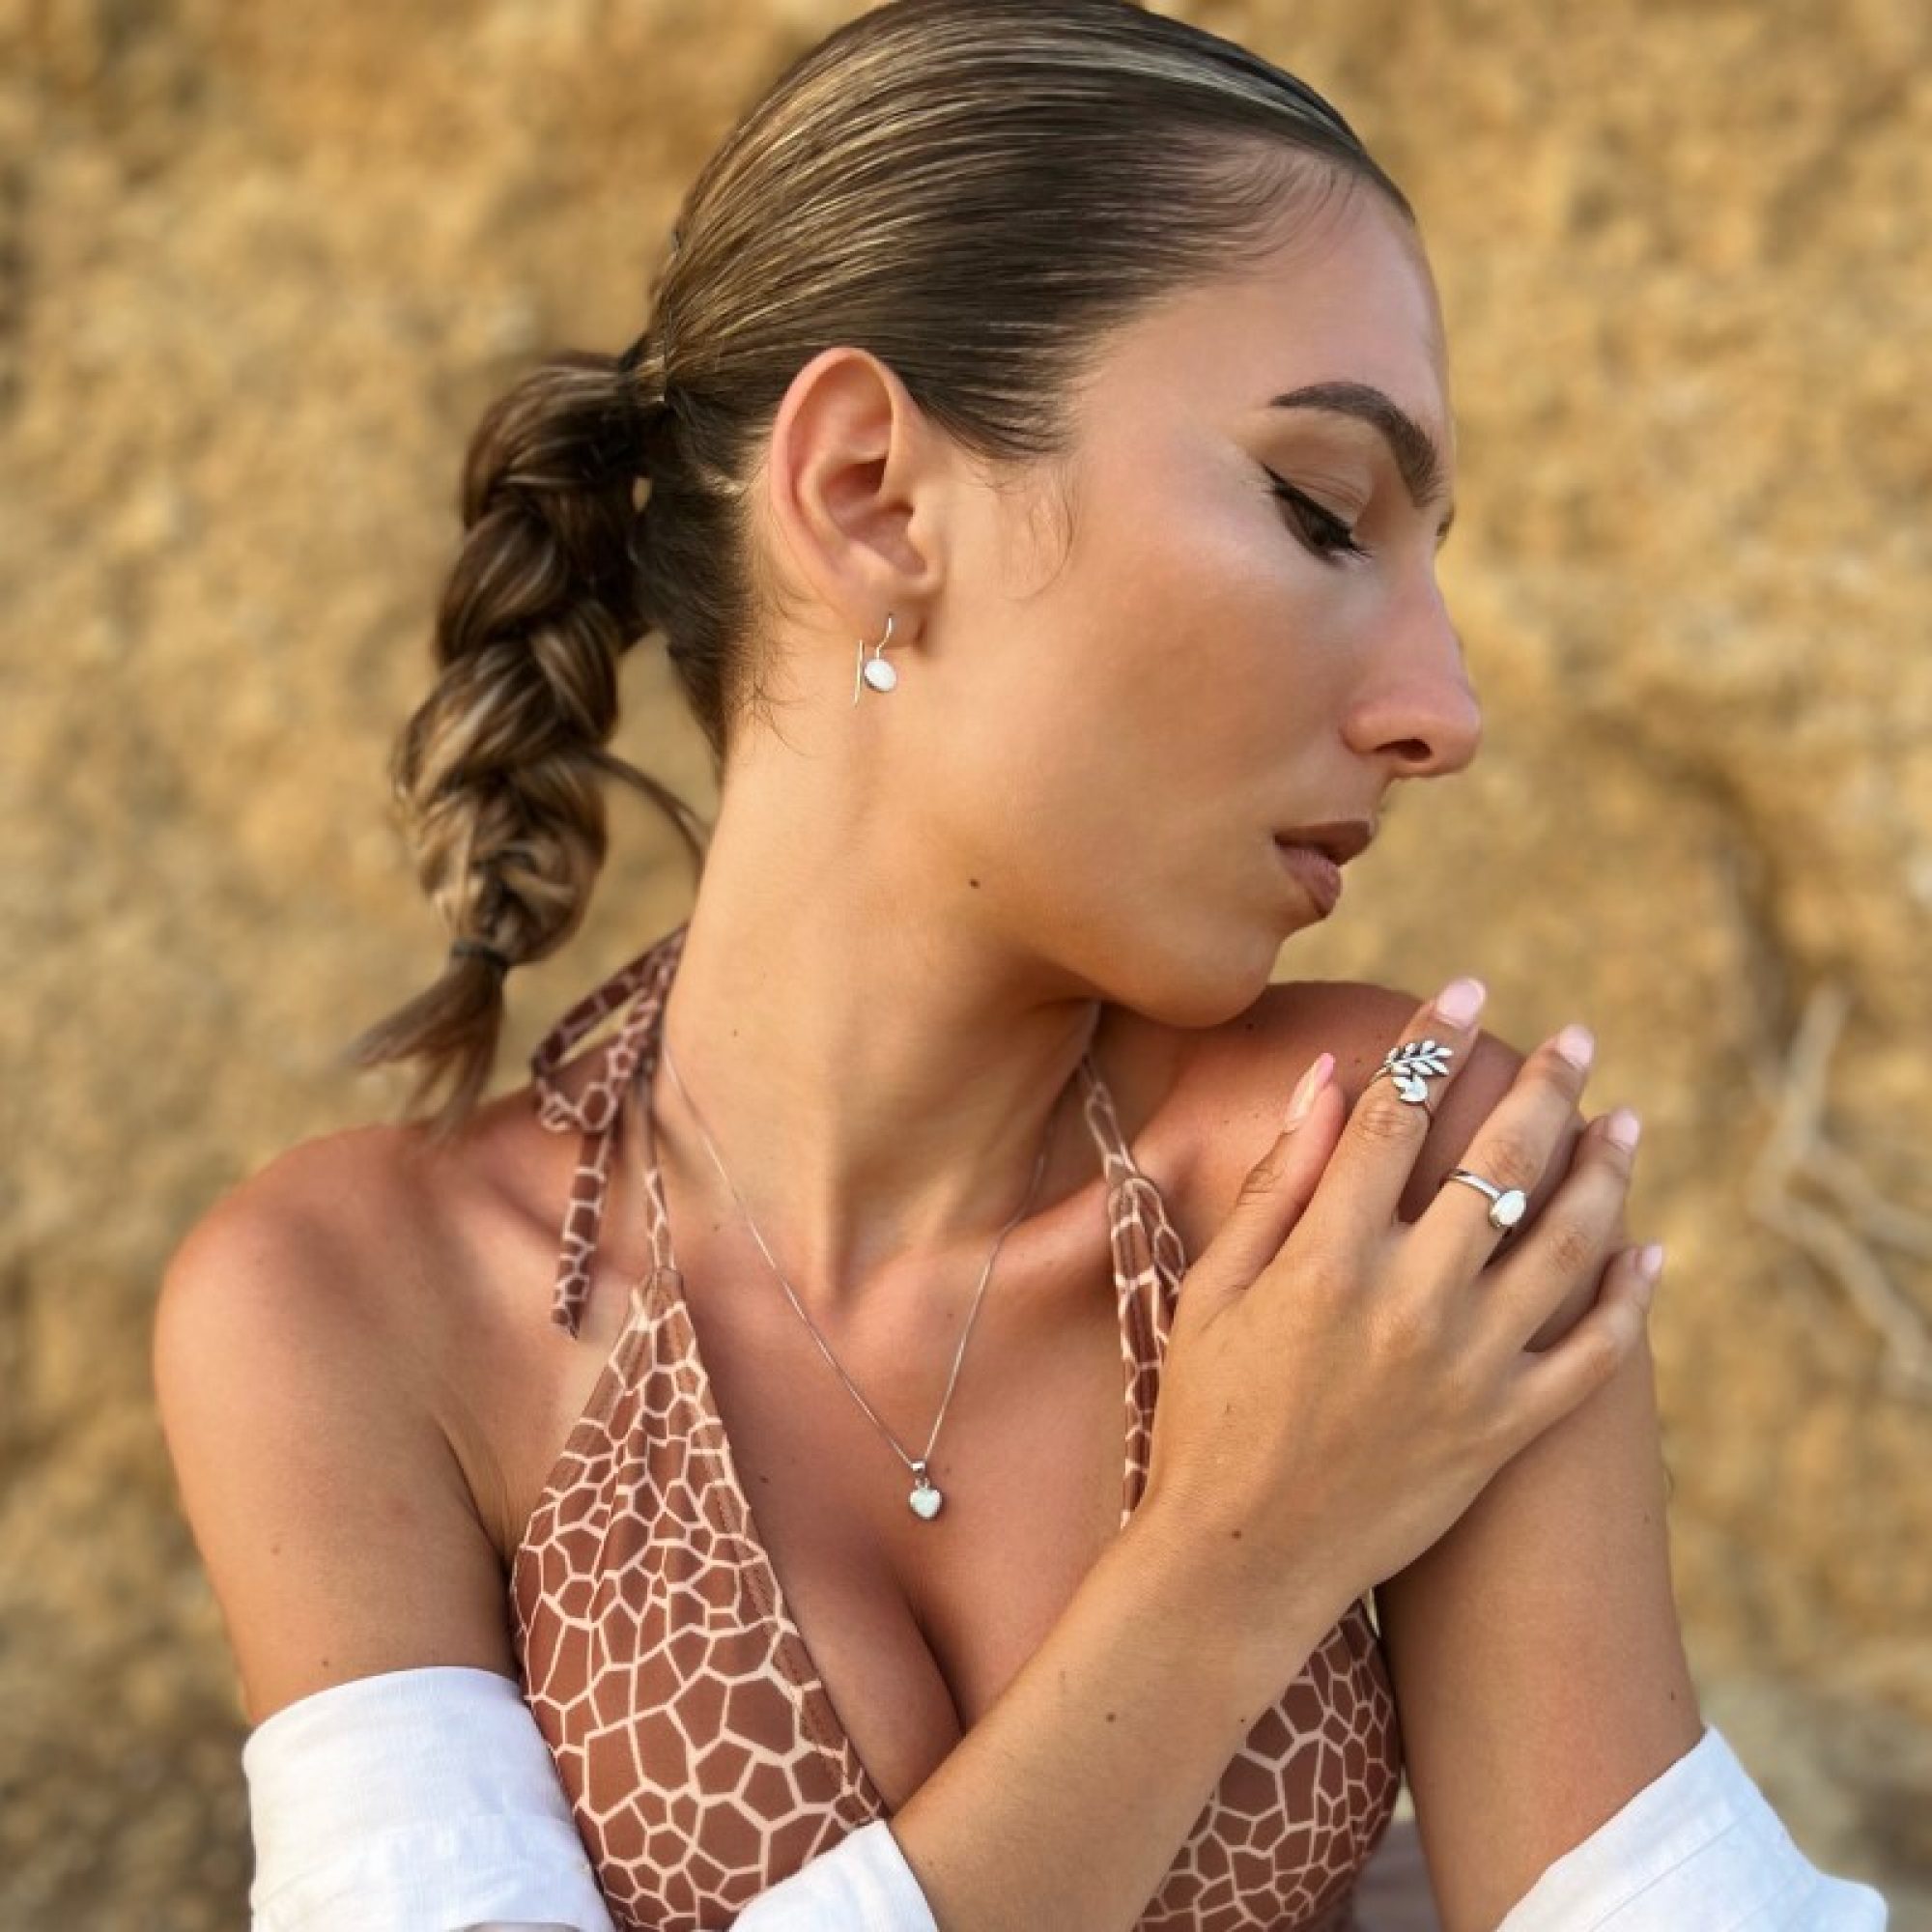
(1235, 1080)
(336, 1527)
(345, 1234)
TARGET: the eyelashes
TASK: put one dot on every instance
(1320, 529)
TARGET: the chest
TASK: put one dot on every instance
(918, 1627)
(914, 1627)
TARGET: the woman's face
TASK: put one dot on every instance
(1245, 634)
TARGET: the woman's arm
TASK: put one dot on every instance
(335, 1522)
(1069, 1800)
(1538, 1669)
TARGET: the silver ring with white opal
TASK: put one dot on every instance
(1506, 1203)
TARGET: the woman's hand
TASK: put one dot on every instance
(1338, 1384)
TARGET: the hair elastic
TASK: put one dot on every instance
(463, 948)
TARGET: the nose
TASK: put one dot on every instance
(1416, 707)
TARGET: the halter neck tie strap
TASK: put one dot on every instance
(597, 1111)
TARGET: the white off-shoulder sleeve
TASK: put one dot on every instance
(413, 1801)
(862, 1884)
(427, 1801)
(1698, 1846)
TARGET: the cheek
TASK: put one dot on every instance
(1221, 640)
(1133, 724)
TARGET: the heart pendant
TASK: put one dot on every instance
(924, 1498)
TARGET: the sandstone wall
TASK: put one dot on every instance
(260, 270)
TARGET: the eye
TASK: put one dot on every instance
(1323, 532)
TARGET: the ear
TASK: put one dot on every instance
(856, 482)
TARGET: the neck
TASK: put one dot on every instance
(876, 1070)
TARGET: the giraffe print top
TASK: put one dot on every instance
(694, 1736)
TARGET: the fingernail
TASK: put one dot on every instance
(1461, 1001)
(1650, 1261)
(1577, 1044)
(1306, 1088)
(1624, 1127)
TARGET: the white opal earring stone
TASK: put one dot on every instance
(880, 675)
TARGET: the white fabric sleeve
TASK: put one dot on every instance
(1698, 1846)
(413, 1801)
(862, 1884)
(427, 1801)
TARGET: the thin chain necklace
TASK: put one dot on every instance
(924, 1499)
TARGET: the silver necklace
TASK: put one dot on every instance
(924, 1499)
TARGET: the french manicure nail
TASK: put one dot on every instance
(1462, 1000)
(1577, 1044)
(1307, 1088)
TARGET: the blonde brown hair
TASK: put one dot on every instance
(978, 193)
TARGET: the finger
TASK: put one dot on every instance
(1512, 1150)
(1276, 1189)
(1556, 1268)
(1375, 1154)
(1547, 1386)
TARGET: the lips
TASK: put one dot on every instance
(1338, 838)
(1318, 874)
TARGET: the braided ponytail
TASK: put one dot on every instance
(496, 774)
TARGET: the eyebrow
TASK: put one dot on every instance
(1416, 456)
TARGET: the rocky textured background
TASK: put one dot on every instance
(260, 270)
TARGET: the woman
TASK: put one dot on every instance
(1068, 384)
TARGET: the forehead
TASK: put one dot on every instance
(1344, 296)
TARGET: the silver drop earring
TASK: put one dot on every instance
(879, 674)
